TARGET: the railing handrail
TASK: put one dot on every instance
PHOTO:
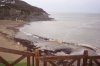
(13, 51)
(62, 57)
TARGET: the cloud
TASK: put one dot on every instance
(67, 5)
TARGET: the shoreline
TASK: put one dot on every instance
(54, 47)
(8, 29)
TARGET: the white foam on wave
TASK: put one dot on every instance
(26, 33)
(98, 51)
(60, 54)
(88, 46)
(80, 51)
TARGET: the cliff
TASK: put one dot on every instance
(20, 10)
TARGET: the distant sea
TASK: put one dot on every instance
(75, 28)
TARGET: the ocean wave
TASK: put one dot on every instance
(78, 50)
(90, 47)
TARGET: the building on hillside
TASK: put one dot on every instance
(8, 1)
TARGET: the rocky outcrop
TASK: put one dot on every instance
(20, 10)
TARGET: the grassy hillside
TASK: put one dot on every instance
(20, 10)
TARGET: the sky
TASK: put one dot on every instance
(70, 6)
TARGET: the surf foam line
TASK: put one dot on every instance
(74, 44)
(97, 50)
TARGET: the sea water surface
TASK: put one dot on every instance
(75, 28)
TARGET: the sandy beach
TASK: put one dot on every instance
(8, 29)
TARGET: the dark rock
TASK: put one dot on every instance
(65, 50)
(25, 43)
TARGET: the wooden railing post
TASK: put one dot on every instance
(37, 54)
(90, 62)
(28, 61)
(78, 62)
(28, 58)
(85, 58)
(33, 60)
(44, 61)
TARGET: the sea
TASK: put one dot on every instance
(77, 28)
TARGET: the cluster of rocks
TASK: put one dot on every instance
(44, 44)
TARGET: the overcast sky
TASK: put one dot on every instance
(77, 6)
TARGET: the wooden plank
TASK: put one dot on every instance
(18, 60)
(15, 51)
(62, 57)
(33, 61)
(64, 63)
(90, 62)
(44, 63)
(4, 61)
(85, 58)
(52, 63)
(97, 62)
(93, 57)
(28, 61)
(37, 54)
(78, 62)
(71, 62)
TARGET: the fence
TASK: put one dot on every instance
(24, 54)
(71, 60)
(44, 60)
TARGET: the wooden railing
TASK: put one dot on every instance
(24, 54)
(94, 60)
(38, 59)
(70, 60)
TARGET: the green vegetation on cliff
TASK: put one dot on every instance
(20, 10)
